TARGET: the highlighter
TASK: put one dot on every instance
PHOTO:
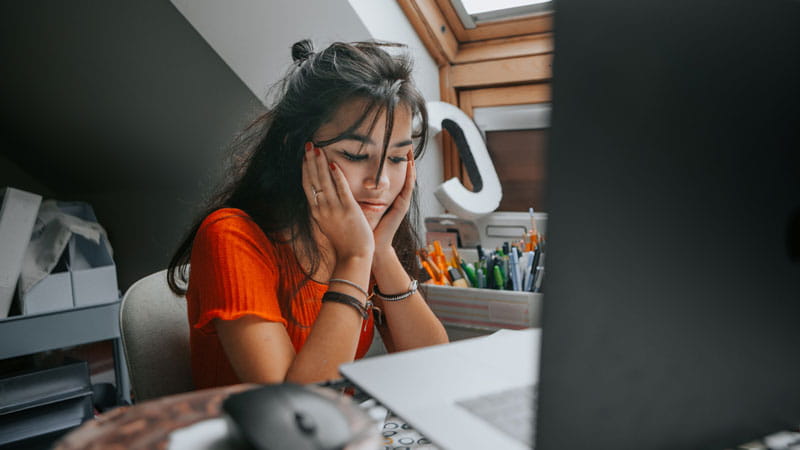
(498, 277)
(428, 269)
(469, 269)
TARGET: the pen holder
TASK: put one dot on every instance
(486, 309)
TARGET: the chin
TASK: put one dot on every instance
(373, 221)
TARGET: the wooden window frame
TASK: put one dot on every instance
(488, 64)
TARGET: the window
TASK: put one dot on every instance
(473, 12)
(502, 59)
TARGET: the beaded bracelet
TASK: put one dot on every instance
(393, 298)
(349, 283)
(338, 297)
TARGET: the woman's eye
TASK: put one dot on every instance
(398, 159)
(353, 157)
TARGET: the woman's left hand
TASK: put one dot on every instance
(390, 222)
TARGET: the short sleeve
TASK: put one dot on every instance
(233, 272)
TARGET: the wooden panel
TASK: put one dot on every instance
(519, 158)
(465, 104)
(503, 96)
(505, 48)
(514, 27)
(503, 71)
(432, 27)
(450, 158)
(452, 18)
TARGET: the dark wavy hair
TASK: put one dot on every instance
(267, 156)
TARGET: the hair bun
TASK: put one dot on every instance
(302, 50)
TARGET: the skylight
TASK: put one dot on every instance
(473, 12)
(481, 6)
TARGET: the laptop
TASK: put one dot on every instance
(454, 393)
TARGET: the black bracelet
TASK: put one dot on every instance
(397, 297)
(338, 297)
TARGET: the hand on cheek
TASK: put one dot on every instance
(333, 207)
(390, 222)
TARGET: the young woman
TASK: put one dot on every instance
(311, 244)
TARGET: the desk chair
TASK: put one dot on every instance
(155, 337)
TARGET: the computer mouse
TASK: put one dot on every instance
(291, 416)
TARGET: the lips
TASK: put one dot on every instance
(372, 206)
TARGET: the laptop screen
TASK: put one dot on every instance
(670, 314)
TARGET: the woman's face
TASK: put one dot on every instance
(358, 155)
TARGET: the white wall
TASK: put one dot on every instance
(254, 38)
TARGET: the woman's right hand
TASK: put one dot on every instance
(333, 206)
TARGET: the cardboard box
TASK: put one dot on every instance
(484, 308)
(17, 218)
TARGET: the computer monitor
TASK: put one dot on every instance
(671, 315)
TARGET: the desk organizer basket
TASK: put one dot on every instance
(40, 401)
(484, 308)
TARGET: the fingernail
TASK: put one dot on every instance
(309, 146)
(333, 166)
(316, 150)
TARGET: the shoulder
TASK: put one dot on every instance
(226, 218)
(228, 227)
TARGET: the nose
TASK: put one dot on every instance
(382, 181)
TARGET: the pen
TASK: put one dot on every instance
(481, 278)
(528, 275)
(537, 284)
(455, 252)
(489, 272)
(514, 269)
(438, 276)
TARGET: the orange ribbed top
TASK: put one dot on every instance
(235, 273)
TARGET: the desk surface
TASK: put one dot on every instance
(149, 424)
(192, 420)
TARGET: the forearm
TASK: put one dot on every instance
(334, 336)
(410, 321)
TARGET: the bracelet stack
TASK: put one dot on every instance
(350, 283)
(412, 288)
(338, 297)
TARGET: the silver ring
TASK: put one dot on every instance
(316, 193)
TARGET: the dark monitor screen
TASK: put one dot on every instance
(672, 302)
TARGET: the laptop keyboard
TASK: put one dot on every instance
(512, 411)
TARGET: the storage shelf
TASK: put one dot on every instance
(24, 335)
(29, 334)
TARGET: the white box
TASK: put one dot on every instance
(90, 276)
(17, 217)
(484, 308)
(93, 272)
(53, 293)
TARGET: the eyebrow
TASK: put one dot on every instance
(367, 140)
